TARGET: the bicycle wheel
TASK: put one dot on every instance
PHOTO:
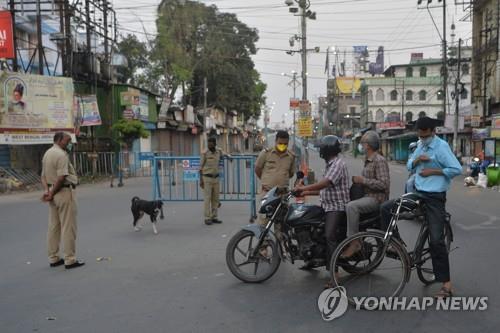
(247, 267)
(379, 273)
(423, 261)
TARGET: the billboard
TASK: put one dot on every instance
(35, 103)
(6, 35)
(89, 111)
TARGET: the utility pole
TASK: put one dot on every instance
(105, 22)
(457, 98)
(304, 49)
(39, 37)
(294, 83)
(445, 61)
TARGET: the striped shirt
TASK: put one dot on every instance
(376, 181)
(335, 197)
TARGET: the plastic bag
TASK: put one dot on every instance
(482, 180)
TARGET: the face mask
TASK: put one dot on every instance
(69, 147)
(281, 147)
(426, 141)
(361, 149)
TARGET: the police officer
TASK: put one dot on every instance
(275, 166)
(209, 180)
(59, 180)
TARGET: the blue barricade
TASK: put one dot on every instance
(177, 178)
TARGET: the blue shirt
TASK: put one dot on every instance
(441, 157)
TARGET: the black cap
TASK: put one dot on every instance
(425, 123)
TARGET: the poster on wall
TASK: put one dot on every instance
(143, 107)
(35, 104)
(90, 111)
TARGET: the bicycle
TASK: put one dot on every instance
(384, 252)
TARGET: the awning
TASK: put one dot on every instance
(406, 135)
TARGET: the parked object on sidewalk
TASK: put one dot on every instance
(482, 181)
(493, 174)
(475, 167)
(152, 208)
(469, 181)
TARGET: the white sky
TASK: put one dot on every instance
(397, 25)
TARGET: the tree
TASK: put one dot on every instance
(129, 130)
(137, 55)
(195, 42)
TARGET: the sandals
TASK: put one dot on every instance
(443, 293)
(353, 248)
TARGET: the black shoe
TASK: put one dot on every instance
(208, 222)
(75, 265)
(57, 263)
(216, 221)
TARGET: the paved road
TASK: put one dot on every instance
(177, 281)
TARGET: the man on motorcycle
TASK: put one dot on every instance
(434, 165)
(376, 185)
(333, 190)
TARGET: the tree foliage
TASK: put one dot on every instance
(195, 42)
(129, 130)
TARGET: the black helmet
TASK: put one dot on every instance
(329, 146)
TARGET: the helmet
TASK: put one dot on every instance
(372, 139)
(329, 146)
(412, 146)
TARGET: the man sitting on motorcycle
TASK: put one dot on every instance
(333, 190)
(375, 181)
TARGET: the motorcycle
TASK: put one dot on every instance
(475, 167)
(255, 253)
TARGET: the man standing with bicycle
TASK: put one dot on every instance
(434, 165)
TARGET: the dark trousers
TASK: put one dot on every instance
(436, 217)
(335, 232)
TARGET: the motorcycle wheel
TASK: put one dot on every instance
(245, 266)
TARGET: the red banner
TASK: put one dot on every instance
(391, 125)
(6, 35)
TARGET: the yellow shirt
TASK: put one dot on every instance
(276, 169)
(209, 163)
(56, 163)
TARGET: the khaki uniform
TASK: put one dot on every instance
(209, 165)
(63, 209)
(276, 171)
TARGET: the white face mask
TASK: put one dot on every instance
(361, 149)
(426, 141)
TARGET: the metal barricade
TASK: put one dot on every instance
(177, 178)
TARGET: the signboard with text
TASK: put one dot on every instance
(6, 35)
(305, 127)
(33, 107)
(294, 103)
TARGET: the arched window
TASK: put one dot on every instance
(409, 95)
(370, 95)
(379, 96)
(465, 69)
(394, 95)
(464, 94)
(440, 95)
(440, 115)
(409, 72)
(408, 117)
(379, 117)
(422, 95)
(423, 71)
(422, 114)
